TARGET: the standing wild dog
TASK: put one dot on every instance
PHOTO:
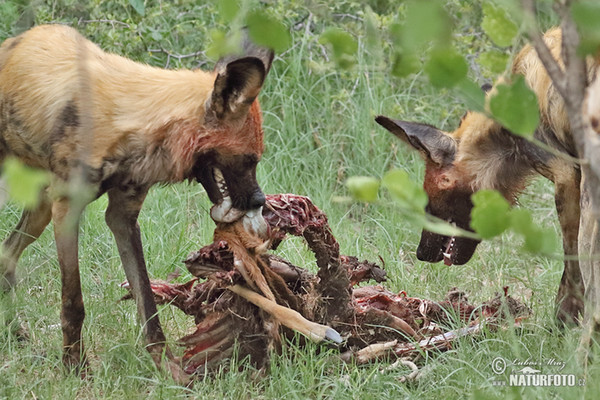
(70, 108)
(482, 154)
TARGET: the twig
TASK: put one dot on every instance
(179, 57)
(323, 51)
(557, 153)
(113, 22)
(351, 16)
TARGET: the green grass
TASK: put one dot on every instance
(319, 130)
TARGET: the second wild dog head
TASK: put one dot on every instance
(482, 154)
(449, 194)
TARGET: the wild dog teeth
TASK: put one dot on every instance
(447, 252)
(218, 176)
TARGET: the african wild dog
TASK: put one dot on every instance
(66, 106)
(482, 154)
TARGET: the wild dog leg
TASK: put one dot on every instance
(29, 228)
(569, 300)
(121, 217)
(66, 224)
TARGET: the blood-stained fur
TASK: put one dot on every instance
(70, 108)
(482, 154)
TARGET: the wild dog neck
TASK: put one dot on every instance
(188, 140)
(493, 158)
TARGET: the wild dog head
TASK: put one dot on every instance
(449, 189)
(227, 169)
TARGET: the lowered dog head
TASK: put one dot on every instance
(448, 189)
(228, 170)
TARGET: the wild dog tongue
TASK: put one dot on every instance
(448, 252)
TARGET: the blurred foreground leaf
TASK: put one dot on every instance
(471, 94)
(363, 188)
(446, 67)
(494, 61)
(343, 45)
(268, 31)
(228, 9)
(586, 15)
(498, 25)
(223, 44)
(24, 183)
(536, 239)
(515, 106)
(489, 216)
(410, 194)
(405, 64)
(426, 21)
(492, 215)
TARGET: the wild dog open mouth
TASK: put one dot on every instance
(224, 210)
(447, 252)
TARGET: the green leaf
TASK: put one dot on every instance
(446, 67)
(471, 94)
(405, 64)
(228, 9)
(408, 193)
(24, 183)
(515, 106)
(441, 228)
(586, 15)
(343, 44)
(363, 188)
(396, 30)
(546, 240)
(425, 21)
(498, 25)
(138, 6)
(489, 216)
(493, 61)
(521, 221)
(222, 44)
(536, 239)
(268, 31)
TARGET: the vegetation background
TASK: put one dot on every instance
(318, 110)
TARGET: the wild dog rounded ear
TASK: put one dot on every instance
(432, 143)
(239, 80)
